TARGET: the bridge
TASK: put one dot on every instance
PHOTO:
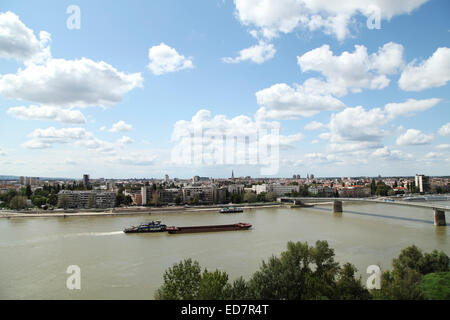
(439, 211)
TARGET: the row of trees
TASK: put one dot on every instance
(306, 272)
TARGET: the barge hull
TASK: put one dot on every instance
(217, 228)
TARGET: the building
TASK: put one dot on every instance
(86, 199)
(278, 189)
(204, 194)
(354, 192)
(85, 180)
(319, 190)
(422, 183)
(146, 195)
(167, 196)
(166, 178)
(236, 188)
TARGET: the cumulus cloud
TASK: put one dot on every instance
(281, 101)
(73, 83)
(353, 70)
(269, 18)
(357, 124)
(445, 130)
(314, 125)
(47, 138)
(164, 59)
(57, 82)
(258, 54)
(409, 107)
(121, 126)
(49, 113)
(387, 154)
(2, 153)
(414, 137)
(431, 73)
(19, 42)
(209, 140)
(125, 140)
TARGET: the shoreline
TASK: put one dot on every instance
(124, 211)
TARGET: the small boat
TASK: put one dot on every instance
(231, 210)
(213, 228)
(154, 226)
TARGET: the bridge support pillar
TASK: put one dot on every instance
(439, 217)
(337, 206)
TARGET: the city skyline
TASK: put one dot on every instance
(350, 90)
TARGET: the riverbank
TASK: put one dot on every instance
(125, 211)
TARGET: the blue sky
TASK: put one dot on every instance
(380, 109)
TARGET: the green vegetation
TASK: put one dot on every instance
(304, 272)
(436, 286)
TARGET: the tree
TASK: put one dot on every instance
(63, 201)
(436, 286)
(304, 272)
(213, 286)
(270, 197)
(405, 280)
(39, 201)
(181, 281)
(18, 203)
(53, 199)
(249, 197)
(28, 191)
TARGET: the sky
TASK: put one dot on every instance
(266, 88)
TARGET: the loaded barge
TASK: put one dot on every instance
(215, 228)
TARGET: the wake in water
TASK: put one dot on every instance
(62, 236)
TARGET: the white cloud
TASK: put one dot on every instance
(47, 138)
(213, 140)
(414, 137)
(164, 59)
(258, 54)
(387, 154)
(314, 125)
(281, 101)
(353, 71)
(49, 113)
(431, 73)
(357, 124)
(409, 107)
(121, 126)
(443, 146)
(2, 153)
(272, 17)
(445, 130)
(433, 155)
(19, 42)
(72, 83)
(125, 140)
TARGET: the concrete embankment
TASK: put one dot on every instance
(120, 211)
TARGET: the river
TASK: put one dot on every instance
(35, 252)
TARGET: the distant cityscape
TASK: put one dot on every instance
(86, 193)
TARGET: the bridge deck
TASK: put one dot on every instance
(401, 203)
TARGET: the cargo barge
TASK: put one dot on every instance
(214, 228)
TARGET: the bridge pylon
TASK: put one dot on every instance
(439, 217)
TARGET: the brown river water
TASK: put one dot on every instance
(36, 252)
